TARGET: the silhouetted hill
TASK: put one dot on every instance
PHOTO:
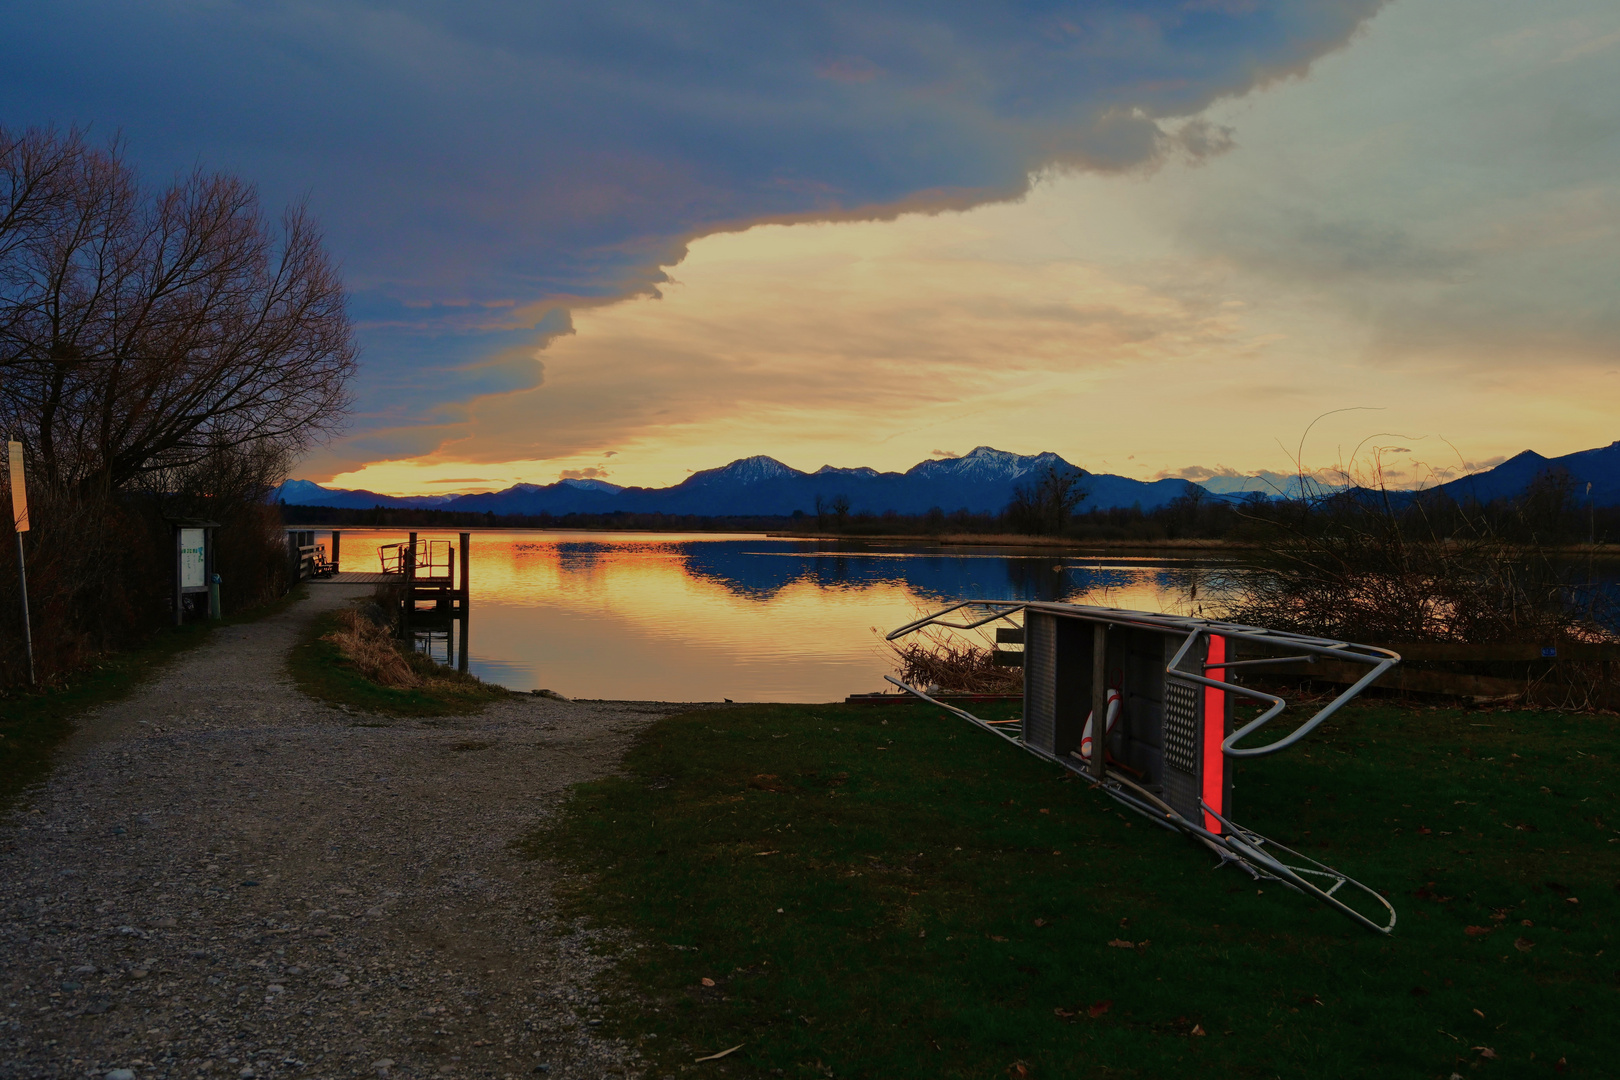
(308, 493)
(1599, 467)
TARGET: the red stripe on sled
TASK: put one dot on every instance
(1214, 732)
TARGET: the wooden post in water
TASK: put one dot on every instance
(337, 539)
(466, 595)
(408, 606)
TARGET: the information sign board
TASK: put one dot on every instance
(192, 575)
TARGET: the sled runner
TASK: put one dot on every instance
(1164, 685)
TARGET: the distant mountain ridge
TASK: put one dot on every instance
(309, 493)
(981, 481)
(1599, 467)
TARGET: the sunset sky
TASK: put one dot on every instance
(635, 239)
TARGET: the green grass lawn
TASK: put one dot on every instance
(322, 672)
(893, 893)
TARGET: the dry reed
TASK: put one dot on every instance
(371, 649)
(934, 657)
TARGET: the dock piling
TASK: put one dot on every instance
(466, 597)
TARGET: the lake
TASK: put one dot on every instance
(702, 617)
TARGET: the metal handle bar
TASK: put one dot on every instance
(1000, 611)
(1262, 660)
(1230, 747)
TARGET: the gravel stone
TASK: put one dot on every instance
(222, 878)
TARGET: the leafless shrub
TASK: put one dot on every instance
(1370, 565)
(935, 657)
(95, 576)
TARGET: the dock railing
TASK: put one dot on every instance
(423, 560)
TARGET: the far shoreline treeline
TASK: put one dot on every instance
(1049, 511)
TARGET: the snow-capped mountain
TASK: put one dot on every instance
(741, 473)
(984, 463)
(585, 484)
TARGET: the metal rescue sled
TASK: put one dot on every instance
(1160, 682)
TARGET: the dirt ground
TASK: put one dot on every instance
(223, 878)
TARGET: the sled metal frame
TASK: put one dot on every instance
(1262, 858)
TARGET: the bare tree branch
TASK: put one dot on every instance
(145, 331)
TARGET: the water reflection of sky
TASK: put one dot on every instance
(703, 617)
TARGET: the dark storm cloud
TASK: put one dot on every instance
(486, 151)
(465, 156)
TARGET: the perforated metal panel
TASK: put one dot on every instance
(1181, 725)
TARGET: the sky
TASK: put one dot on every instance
(1195, 238)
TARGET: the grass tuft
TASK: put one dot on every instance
(897, 895)
(345, 659)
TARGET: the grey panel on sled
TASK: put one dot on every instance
(1139, 737)
(1040, 680)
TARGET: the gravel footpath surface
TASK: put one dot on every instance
(225, 879)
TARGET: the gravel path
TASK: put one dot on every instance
(225, 879)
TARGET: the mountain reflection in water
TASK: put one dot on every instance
(701, 617)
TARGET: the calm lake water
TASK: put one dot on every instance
(701, 617)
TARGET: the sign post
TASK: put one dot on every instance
(19, 521)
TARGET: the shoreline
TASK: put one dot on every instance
(1600, 549)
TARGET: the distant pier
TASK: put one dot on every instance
(433, 579)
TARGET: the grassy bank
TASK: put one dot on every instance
(868, 893)
(323, 672)
(33, 723)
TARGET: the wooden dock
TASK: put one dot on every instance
(425, 572)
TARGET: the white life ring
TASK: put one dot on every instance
(1113, 717)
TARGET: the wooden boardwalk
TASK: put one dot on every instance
(356, 577)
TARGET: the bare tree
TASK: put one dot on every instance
(1045, 504)
(144, 331)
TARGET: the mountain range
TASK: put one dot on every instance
(981, 481)
(1599, 467)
